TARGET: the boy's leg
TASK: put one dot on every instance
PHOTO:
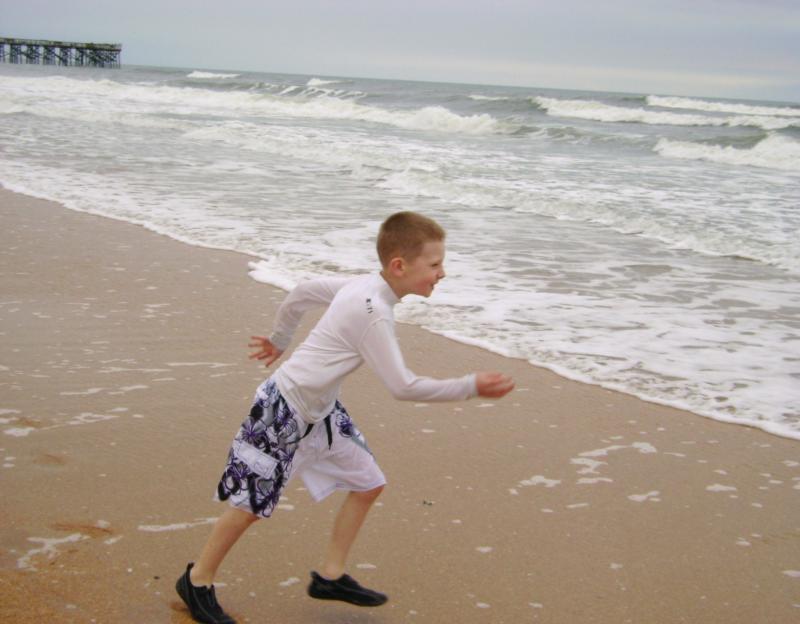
(342, 459)
(345, 529)
(227, 530)
(196, 586)
(333, 584)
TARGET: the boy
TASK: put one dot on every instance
(298, 427)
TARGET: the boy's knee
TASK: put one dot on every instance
(239, 516)
(369, 496)
(376, 492)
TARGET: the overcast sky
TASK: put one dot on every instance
(733, 48)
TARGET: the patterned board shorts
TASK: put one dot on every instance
(274, 444)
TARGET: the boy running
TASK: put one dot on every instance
(297, 426)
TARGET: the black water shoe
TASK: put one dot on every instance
(202, 601)
(344, 588)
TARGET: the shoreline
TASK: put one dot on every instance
(253, 259)
(126, 374)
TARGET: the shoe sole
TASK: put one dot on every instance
(369, 601)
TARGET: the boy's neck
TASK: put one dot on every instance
(394, 284)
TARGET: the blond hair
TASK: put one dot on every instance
(404, 234)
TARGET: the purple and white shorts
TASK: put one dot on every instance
(274, 444)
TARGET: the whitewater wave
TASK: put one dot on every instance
(721, 107)
(429, 118)
(211, 75)
(598, 111)
(300, 91)
(80, 97)
(335, 93)
(773, 152)
(489, 98)
(319, 82)
(589, 207)
(319, 103)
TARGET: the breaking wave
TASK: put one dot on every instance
(773, 152)
(598, 111)
(489, 98)
(105, 98)
(319, 82)
(721, 107)
(211, 75)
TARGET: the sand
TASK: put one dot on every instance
(124, 375)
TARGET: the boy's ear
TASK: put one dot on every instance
(396, 266)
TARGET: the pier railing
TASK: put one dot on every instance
(40, 52)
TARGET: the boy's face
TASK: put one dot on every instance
(423, 272)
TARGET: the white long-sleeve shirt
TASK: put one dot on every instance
(357, 327)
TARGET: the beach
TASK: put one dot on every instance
(125, 375)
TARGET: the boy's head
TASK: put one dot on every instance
(404, 234)
(411, 249)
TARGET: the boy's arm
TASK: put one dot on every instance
(303, 297)
(381, 352)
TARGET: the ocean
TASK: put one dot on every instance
(646, 243)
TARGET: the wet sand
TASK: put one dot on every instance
(124, 375)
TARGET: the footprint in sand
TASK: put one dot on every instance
(47, 547)
(99, 529)
(23, 427)
(48, 459)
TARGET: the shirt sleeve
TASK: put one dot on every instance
(303, 297)
(382, 354)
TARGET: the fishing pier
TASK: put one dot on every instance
(40, 52)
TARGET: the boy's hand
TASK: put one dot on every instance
(266, 350)
(493, 385)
